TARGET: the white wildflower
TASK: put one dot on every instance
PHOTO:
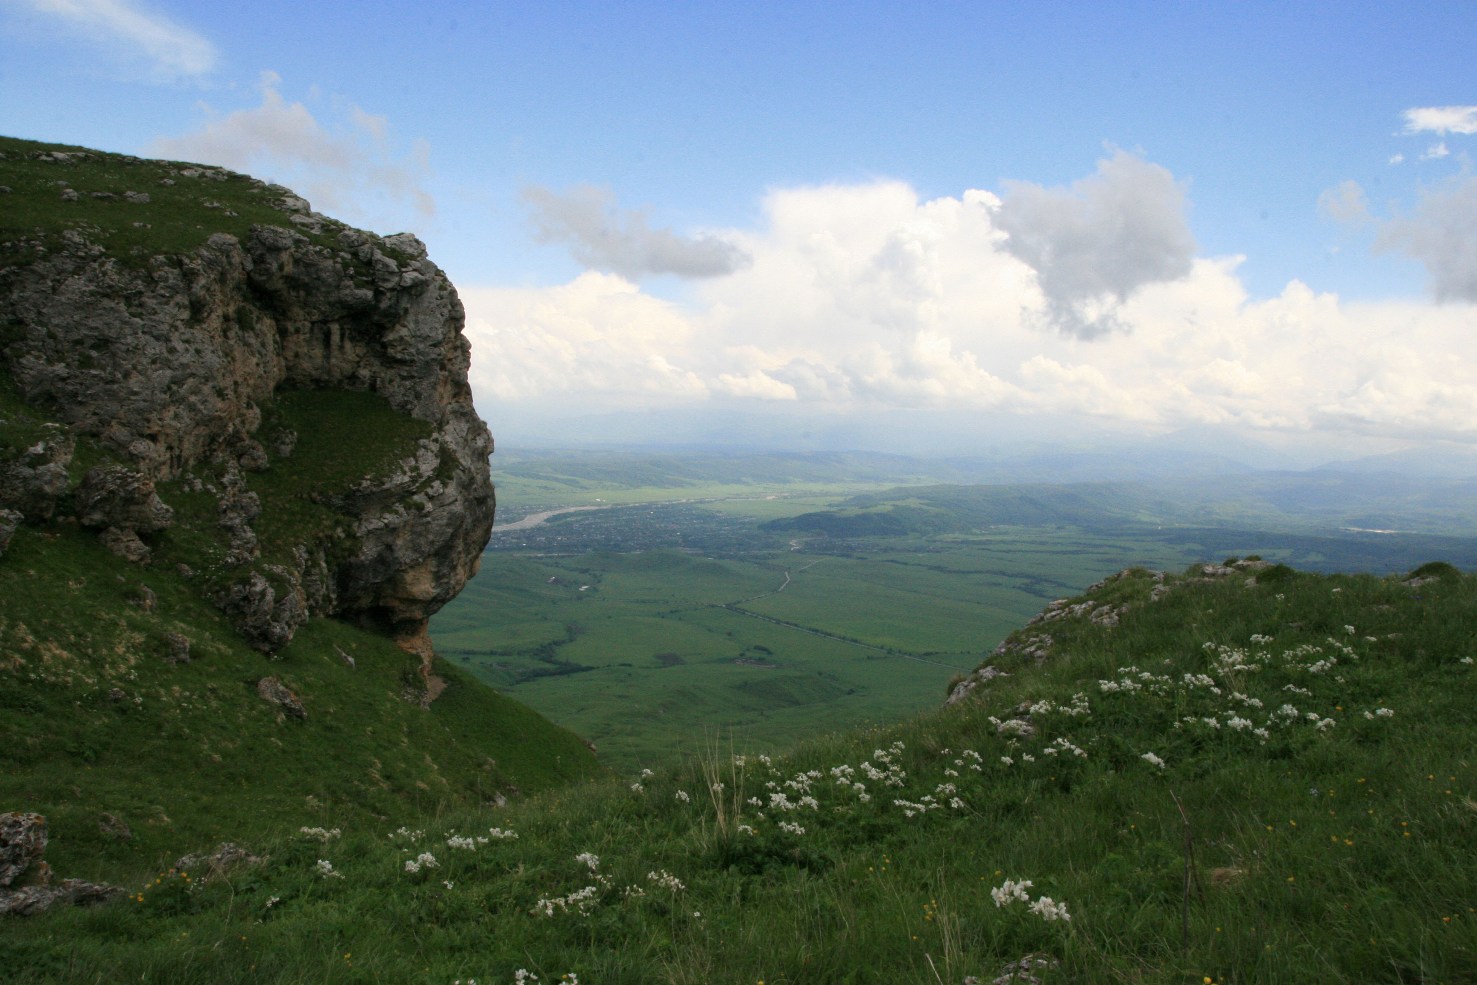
(1050, 910)
(1152, 760)
(666, 881)
(320, 834)
(1011, 891)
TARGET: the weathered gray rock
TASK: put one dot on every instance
(22, 843)
(266, 617)
(966, 687)
(176, 648)
(32, 482)
(167, 366)
(226, 856)
(272, 690)
(114, 496)
(125, 544)
(30, 900)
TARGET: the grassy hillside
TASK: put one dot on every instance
(1246, 779)
(97, 716)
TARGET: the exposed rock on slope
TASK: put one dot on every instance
(166, 355)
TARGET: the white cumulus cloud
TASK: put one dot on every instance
(864, 299)
(1441, 119)
(1442, 234)
(1095, 243)
(133, 31)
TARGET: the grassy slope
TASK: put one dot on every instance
(94, 720)
(1341, 846)
(183, 755)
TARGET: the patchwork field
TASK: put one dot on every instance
(693, 598)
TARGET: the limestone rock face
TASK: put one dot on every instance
(167, 365)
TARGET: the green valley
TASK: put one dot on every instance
(764, 597)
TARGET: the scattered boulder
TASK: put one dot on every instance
(114, 496)
(264, 617)
(30, 900)
(966, 687)
(113, 826)
(272, 690)
(176, 648)
(1027, 971)
(226, 856)
(31, 483)
(22, 842)
(126, 544)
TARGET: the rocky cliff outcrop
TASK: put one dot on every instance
(165, 359)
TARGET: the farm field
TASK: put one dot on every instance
(688, 599)
(649, 654)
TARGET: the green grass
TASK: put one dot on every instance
(178, 218)
(589, 640)
(94, 720)
(1340, 853)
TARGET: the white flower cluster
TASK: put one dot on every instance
(591, 860)
(1014, 891)
(320, 834)
(581, 900)
(1061, 745)
(1380, 713)
(1050, 910)
(325, 869)
(425, 860)
(1152, 760)
(666, 880)
(923, 806)
(1011, 891)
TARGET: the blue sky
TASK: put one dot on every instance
(1063, 218)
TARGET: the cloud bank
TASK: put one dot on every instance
(603, 237)
(1094, 244)
(860, 298)
(133, 33)
(1442, 235)
(348, 166)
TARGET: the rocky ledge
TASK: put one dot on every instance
(165, 360)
